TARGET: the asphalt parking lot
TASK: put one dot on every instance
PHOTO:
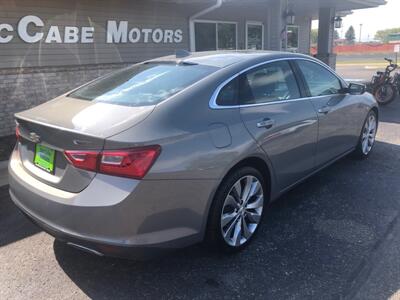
(336, 236)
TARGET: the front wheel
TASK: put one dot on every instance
(367, 138)
(385, 93)
(237, 210)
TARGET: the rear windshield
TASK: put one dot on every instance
(144, 84)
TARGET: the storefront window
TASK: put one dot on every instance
(255, 36)
(226, 36)
(215, 36)
(293, 37)
(205, 36)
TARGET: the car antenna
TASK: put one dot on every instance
(182, 53)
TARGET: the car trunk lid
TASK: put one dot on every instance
(71, 124)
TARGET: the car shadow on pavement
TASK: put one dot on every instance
(320, 240)
(14, 225)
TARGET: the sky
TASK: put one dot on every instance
(373, 19)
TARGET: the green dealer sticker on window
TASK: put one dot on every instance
(44, 158)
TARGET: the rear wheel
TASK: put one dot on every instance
(367, 137)
(385, 93)
(237, 210)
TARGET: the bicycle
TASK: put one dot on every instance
(383, 85)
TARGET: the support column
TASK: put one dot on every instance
(276, 25)
(325, 36)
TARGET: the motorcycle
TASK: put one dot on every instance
(396, 81)
(383, 85)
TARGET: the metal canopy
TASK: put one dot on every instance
(304, 7)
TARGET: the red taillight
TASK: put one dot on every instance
(86, 160)
(132, 163)
(17, 133)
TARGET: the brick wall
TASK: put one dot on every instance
(24, 88)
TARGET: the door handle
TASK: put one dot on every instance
(324, 110)
(266, 123)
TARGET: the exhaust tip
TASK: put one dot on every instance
(86, 249)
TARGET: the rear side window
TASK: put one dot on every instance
(144, 84)
(319, 80)
(228, 96)
(271, 82)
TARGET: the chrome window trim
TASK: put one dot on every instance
(213, 101)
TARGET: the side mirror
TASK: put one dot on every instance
(356, 89)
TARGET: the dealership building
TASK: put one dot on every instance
(48, 47)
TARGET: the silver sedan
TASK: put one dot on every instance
(177, 150)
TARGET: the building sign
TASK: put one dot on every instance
(29, 29)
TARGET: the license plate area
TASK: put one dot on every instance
(44, 158)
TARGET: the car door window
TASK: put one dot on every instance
(319, 80)
(228, 96)
(269, 83)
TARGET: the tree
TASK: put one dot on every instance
(350, 35)
(383, 35)
(336, 35)
(314, 36)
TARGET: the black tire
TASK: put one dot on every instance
(385, 93)
(214, 234)
(359, 152)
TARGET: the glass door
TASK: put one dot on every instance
(254, 36)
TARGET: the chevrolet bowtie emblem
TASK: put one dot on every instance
(34, 137)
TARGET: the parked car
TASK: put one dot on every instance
(177, 150)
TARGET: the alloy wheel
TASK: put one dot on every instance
(242, 211)
(369, 134)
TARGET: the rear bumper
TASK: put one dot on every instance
(99, 247)
(102, 248)
(116, 216)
